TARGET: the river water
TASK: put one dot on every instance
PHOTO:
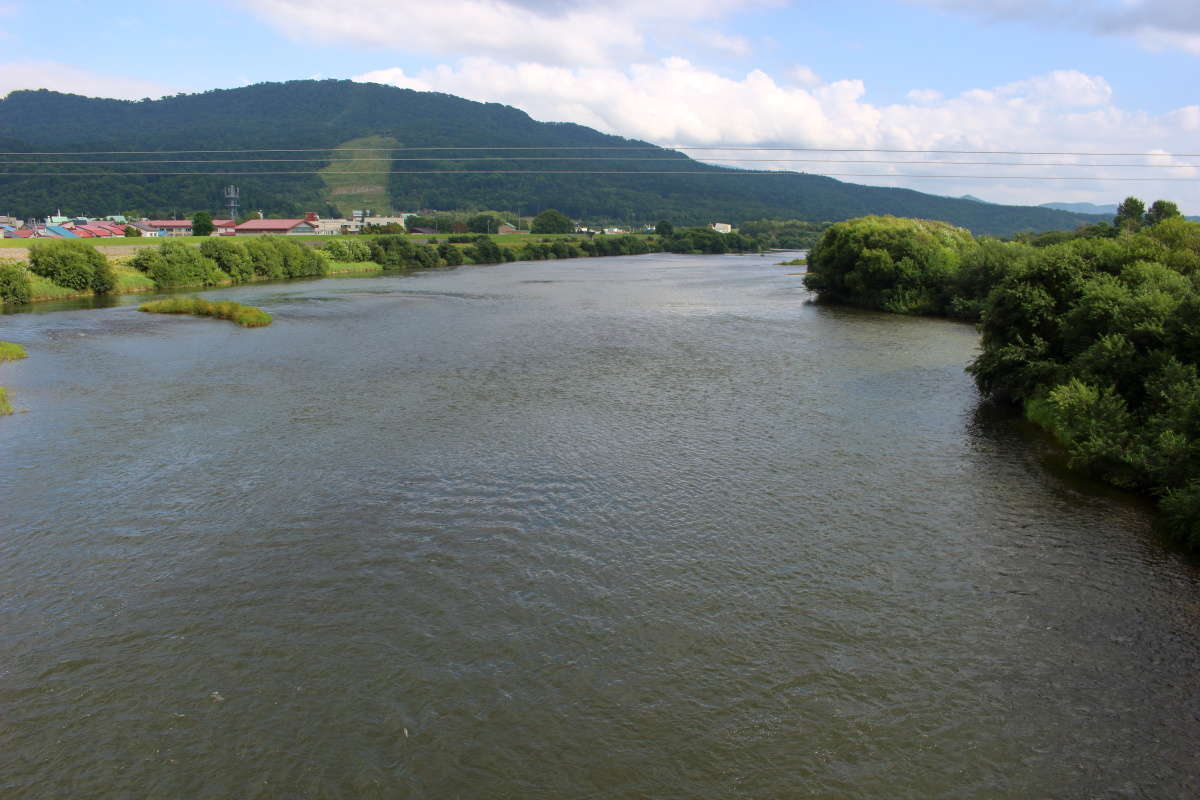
(605, 528)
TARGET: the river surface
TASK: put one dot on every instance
(650, 527)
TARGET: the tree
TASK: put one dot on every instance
(1161, 210)
(132, 232)
(1129, 214)
(202, 224)
(664, 228)
(552, 221)
(483, 223)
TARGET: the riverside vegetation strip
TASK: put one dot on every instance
(1095, 334)
(59, 269)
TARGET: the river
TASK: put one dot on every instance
(602, 528)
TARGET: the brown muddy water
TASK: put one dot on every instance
(649, 527)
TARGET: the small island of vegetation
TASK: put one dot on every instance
(8, 352)
(246, 316)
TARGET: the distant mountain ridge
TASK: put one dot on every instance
(1092, 208)
(1083, 208)
(611, 184)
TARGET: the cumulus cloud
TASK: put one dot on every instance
(675, 103)
(75, 80)
(1155, 24)
(546, 31)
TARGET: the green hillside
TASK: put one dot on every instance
(302, 115)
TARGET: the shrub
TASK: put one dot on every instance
(15, 286)
(450, 254)
(230, 256)
(347, 250)
(174, 264)
(73, 264)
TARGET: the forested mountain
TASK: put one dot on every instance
(302, 115)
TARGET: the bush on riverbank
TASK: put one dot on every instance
(16, 288)
(72, 264)
(172, 265)
(708, 241)
(246, 316)
(1096, 337)
(347, 250)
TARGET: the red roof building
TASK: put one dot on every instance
(172, 227)
(278, 227)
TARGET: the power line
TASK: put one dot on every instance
(600, 158)
(705, 173)
(688, 148)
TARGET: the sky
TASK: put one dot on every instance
(841, 83)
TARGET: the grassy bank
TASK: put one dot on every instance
(246, 316)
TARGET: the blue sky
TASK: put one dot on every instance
(1007, 75)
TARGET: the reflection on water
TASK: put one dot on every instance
(620, 528)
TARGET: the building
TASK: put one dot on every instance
(399, 220)
(171, 227)
(721, 227)
(224, 227)
(276, 227)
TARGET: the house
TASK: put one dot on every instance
(59, 232)
(171, 227)
(721, 227)
(506, 228)
(276, 227)
(147, 229)
(381, 221)
(224, 227)
(333, 227)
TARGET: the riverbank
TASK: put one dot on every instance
(1092, 336)
(244, 260)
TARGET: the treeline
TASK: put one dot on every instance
(785, 234)
(1096, 337)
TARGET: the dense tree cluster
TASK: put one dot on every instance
(552, 221)
(1096, 337)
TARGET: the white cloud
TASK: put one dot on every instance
(803, 75)
(734, 45)
(1155, 24)
(75, 80)
(924, 96)
(673, 102)
(546, 31)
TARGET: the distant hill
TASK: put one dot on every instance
(1083, 208)
(305, 115)
(1108, 211)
